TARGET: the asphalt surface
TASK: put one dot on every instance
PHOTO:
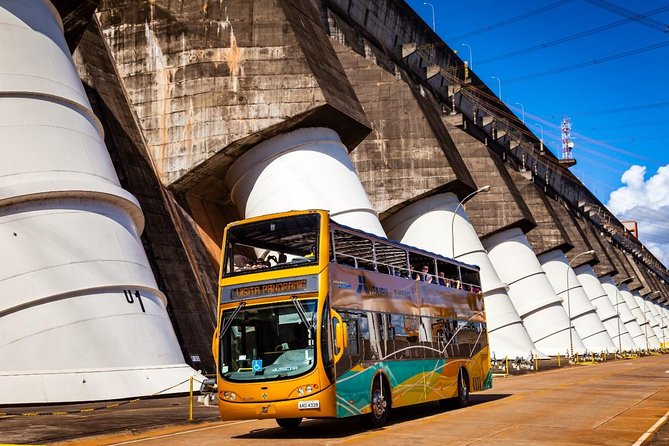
(612, 403)
(130, 419)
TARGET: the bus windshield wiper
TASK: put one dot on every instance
(302, 313)
(228, 322)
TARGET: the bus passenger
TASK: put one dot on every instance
(424, 275)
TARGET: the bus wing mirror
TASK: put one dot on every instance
(340, 335)
(343, 328)
(345, 335)
(214, 345)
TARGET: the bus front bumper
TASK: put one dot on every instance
(326, 402)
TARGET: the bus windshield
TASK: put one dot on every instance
(267, 342)
(271, 244)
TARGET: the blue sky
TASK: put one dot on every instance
(611, 63)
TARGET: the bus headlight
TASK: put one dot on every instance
(229, 395)
(302, 390)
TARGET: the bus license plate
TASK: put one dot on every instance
(313, 404)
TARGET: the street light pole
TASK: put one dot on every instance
(522, 107)
(471, 57)
(647, 319)
(571, 338)
(431, 6)
(499, 84)
(618, 297)
(620, 346)
(542, 134)
(645, 327)
(485, 188)
(663, 345)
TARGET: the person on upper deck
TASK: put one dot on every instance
(424, 275)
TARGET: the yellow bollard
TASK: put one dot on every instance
(190, 407)
(558, 360)
(506, 364)
(536, 362)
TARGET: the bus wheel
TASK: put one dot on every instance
(289, 423)
(463, 393)
(380, 403)
(463, 388)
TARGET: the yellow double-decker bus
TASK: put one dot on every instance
(316, 320)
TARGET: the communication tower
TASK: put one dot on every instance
(567, 143)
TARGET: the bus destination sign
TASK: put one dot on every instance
(271, 288)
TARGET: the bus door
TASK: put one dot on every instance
(405, 358)
(353, 351)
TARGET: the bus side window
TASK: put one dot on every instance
(402, 343)
(410, 328)
(363, 326)
(353, 347)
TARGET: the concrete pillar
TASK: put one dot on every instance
(655, 333)
(623, 310)
(574, 300)
(605, 309)
(81, 316)
(646, 332)
(664, 313)
(308, 168)
(663, 335)
(531, 293)
(431, 224)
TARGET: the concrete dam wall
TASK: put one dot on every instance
(199, 113)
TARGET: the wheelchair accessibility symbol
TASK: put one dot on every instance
(256, 365)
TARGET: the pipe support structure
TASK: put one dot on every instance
(597, 294)
(654, 332)
(81, 316)
(429, 224)
(623, 310)
(642, 339)
(575, 301)
(532, 294)
(308, 168)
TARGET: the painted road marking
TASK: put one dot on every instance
(218, 426)
(652, 430)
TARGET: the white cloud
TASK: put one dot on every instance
(647, 203)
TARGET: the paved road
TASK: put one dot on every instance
(613, 403)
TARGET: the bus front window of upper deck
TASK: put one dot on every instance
(279, 243)
(269, 341)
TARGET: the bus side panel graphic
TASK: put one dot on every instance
(411, 381)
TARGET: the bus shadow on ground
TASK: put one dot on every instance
(331, 428)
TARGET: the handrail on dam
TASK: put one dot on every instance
(516, 366)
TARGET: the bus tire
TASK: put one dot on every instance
(462, 399)
(380, 403)
(289, 423)
(463, 388)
